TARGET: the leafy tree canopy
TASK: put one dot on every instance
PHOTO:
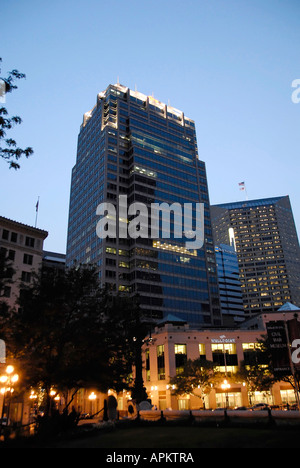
(256, 371)
(9, 151)
(196, 378)
(68, 333)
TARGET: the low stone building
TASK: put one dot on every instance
(173, 342)
(22, 246)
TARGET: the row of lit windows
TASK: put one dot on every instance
(224, 357)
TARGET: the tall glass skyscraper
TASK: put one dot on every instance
(132, 145)
(264, 235)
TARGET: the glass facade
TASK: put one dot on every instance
(231, 297)
(264, 235)
(180, 357)
(131, 144)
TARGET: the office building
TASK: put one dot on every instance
(22, 246)
(53, 261)
(165, 352)
(264, 235)
(174, 342)
(231, 298)
(134, 146)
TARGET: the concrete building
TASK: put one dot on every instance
(22, 246)
(264, 235)
(54, 260)
(173, 342)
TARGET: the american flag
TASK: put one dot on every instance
(242, 185)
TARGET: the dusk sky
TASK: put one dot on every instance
(229, 65)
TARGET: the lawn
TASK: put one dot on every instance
(189, 437)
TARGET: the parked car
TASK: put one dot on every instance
(293, 407)
(260, 406)
(85, 416)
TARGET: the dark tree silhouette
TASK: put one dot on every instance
(9, 151)
(68, 333)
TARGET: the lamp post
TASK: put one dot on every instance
(225, 386)
(92, 397)
(8, 379)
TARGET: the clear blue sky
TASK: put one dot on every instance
(227, 64)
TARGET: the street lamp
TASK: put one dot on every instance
(32, 395)
(225, 386)
(8, 379)
(92, 396)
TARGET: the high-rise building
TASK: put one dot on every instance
(131, 145)
(231, 298)
(264, 235)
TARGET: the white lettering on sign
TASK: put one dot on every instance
(222, 340)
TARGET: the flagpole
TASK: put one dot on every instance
(242, 186)
(36, 210)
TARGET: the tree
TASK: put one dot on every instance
(10, 152)
(66, 333)
(138, 331)
(196, 379)
(125, 320)
(256, 377)
(256, 371)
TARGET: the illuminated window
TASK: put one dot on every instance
(251, 346)
(147, 365)
(111, 250)
(202, 350)
(173, 248)
(225, 357)
(180, 357)
(161, 362)
(183, 404)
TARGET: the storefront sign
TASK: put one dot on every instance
(222, 339)
(278, 344)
